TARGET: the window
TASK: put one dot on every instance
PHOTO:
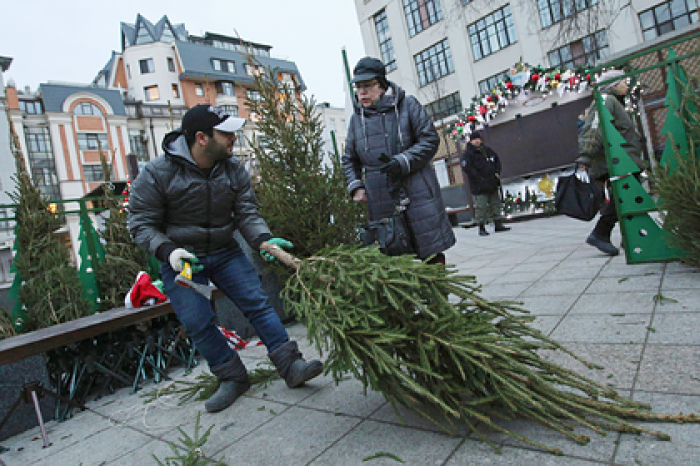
(176, 91)
(230, 109)
(5, 224)
(445, 106)
(487, 85)
(240, 139)
(41, 161)
(581, 52)
(421, 14)
(199, 90)
(151, 93)
(331, 124)
(38, 140)
(31, 107)
(93, 141)
(386, 46)
(86, 108)
(94, 173)
(254, 70)
(147, 66)
(225, 88)
(492, 33)
(171, 64)
(128, 71)
(137, 143)
(227, 66)
(553, 11)
(667, 17)
(434, 62)
(253, 95)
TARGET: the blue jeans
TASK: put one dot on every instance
(232, 273)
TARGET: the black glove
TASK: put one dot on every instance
(392, 169)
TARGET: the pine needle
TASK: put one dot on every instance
(422, 336)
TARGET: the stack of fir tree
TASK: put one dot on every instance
(422, 336)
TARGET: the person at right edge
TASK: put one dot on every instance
(591, 150)
(483, 168)
(391, 141)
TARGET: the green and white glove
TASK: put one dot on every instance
(283, 243)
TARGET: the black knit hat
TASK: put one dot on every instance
(368, 68)
(475, 135)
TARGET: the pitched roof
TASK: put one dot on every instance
(197, 63)
(54, 95)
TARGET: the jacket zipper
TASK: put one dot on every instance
(209, 220)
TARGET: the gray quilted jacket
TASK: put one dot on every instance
(174, 204)
(399, 126)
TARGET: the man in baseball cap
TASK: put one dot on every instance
(185, 207)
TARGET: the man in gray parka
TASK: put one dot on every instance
(389, 123)
(185, 206)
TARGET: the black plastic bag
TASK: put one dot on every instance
(577, 199)
(390, 235)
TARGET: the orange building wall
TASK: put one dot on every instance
(191, 98)
(242, 97)
(120, 75)
(90, 123)
(12, 100)
(66, 152)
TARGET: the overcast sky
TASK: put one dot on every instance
(72, 40)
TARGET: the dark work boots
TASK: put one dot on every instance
(292, 367)
(500, 226)
(233, 382)
(482, 230)
(603, 244)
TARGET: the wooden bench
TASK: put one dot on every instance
(74, 332)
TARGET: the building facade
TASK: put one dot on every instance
(445, 52)
(7, 168)
(138, 97)
(335, 130)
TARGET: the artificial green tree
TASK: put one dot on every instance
(301, 199)
(51, 291)
(123, 259)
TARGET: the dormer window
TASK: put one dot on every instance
(86, 108)
(226, 66)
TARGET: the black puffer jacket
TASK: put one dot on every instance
(399, 126)
(481, 164)
(174, 204)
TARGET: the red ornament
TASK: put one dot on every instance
(546, 79)
(471, 118)
(535, 77)
(460, 124)
(588, 77)
(557, 76)
(125, 192)
(509, 85)
(489, 98)
(482, 109)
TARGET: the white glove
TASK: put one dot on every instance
(177, 256)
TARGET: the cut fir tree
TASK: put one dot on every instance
(423, 336)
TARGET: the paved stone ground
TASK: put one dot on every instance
(598, 306)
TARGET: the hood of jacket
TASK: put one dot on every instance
(175, 145)
(387, 102)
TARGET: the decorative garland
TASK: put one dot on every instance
(521, 77)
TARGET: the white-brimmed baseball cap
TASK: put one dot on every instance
(204, 117)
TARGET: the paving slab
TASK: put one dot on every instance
(604, 310)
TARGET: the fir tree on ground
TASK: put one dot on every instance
(301, 199)
(123, 260)
(51, 291)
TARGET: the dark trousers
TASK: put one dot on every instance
(608, 214)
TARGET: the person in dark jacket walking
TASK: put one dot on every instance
(483, 168)
(185, 206)
(387, 123)
(590, 146)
